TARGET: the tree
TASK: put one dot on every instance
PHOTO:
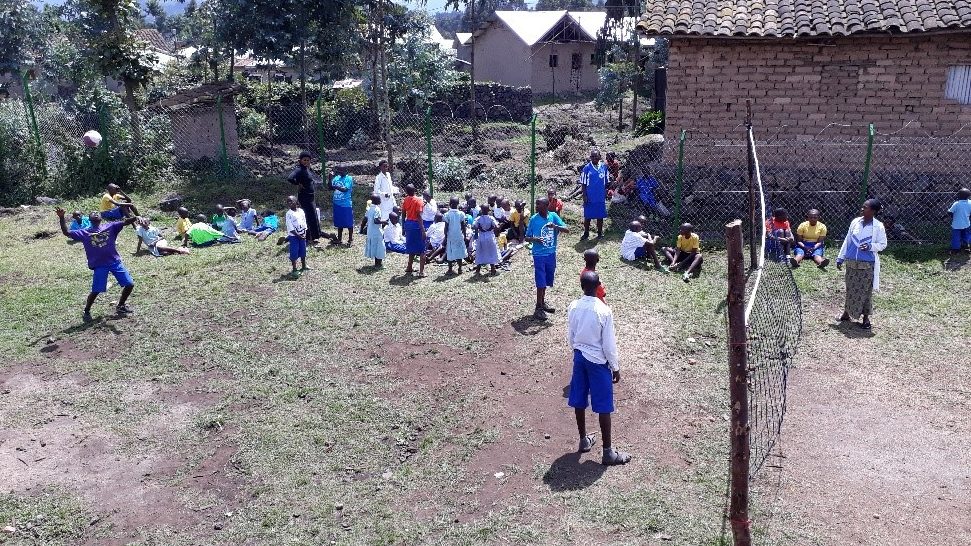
(106, 29)
(419, 68)
(21, 36)
(156, 11)
(560, 5)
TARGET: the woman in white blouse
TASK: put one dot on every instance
(865, 238)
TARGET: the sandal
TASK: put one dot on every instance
(587, 442)
(612, 457)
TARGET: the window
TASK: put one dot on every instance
(575, 61)
(958, 86)
(554, 61)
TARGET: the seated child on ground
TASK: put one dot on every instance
(268, 225)
(183, 225)
(779, 235)
(230, 227)
(638, 244)
(219, 218)
(897, 231)
(501, 214)
(686, 254)
(961, 221)
(79, 221)
(810, 241)
(394, 237)
(436, 237)
(115, 204)
(202, 233)
(590, 259)
(152, 237)
(248, 219)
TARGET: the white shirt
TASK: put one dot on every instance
(875, 234)
(436, 234)
(591, 331)
(502, 214)
(393, 233)
(428, 213)
(631, 242)
(296, 222)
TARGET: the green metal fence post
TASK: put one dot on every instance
(428, 150)
(532, 162)
(224, 159)
(865, 183)
(30, 109)
(679, 183)
(320, 138)
(104, 150)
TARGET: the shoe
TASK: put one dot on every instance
(793, 263)
(548, 309)
(540, 314)
(304, 268)
(823, 264)
(123, 310)
(585, 236)
(843, 318)
(686, 277)
(865, 325)
(600, 236)
(587, 442)
(613, 457)
(86, 317)
(280, 240)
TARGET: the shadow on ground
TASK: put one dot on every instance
(529, 326)
(567, 473)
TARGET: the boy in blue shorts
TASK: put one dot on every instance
(102, 253)
(961, 221)
(810, 241)
(296, 235)
(543, 230)
(590, 333)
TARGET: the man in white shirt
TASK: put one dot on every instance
(636, 244)
(384, 187)
(394, 238)
(595, 366)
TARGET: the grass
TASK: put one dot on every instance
(367, 407)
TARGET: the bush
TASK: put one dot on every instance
(252, 126)
(343, 116)
(21, 162)
(450, 173)
(650, 123)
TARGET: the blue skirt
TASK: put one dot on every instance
(595, 209)
(414, 242)
(343, 217)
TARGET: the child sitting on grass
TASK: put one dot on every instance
(394, 237)
(296, 236)
(810, 241)
(590, 259)
(79, 221)
(268, 225)
(436, 237)
(115, 204)
(686, 254)
(202, 233)
(638, 244)
(248, 219)
(779, 235)
(183, 225)
(230, 228)
(961, 221)
(219, 218)
(152, 237)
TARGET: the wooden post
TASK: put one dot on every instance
(752, 220)
(738, 386)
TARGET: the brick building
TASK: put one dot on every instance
(811, 63)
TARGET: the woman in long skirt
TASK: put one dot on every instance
(374, 242)
(865, 238)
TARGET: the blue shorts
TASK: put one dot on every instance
(591, 381)
(816, 252)
(261, 229)
(544, 270)
(298, 248)
(113, 214)
(395, 247)
(960, 237)
(639, 252)
(100, 282)
(427, 223)
(343, 217)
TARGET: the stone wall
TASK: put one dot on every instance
(196, 133)
(495, 102)
(809, 84)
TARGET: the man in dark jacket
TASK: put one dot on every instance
(303, 177)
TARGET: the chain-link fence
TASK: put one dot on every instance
(705, 181)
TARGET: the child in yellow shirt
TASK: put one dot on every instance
(686, 253)
(810, 241)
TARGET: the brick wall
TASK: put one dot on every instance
(808, 84)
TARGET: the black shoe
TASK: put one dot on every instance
(585, 236)
(823, 264)
(548, 309)
(540, 314)
(86, 317)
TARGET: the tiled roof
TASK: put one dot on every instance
(802, 18)
(154, 39)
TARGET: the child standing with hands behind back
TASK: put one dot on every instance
(296, 235)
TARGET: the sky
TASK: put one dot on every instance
(174, 6)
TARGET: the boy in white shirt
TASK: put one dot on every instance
(436, 237)
(394, 237)
(590, 333)
(296, 235)
(429, 211)
(637, 244)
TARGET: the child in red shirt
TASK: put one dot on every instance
(592, 258)
(555, 204)
(779, 235)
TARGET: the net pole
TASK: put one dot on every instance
(750, 152)
(738, 387)
(865, 183)
(428, 151)
(532, 162)
(679, 184)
